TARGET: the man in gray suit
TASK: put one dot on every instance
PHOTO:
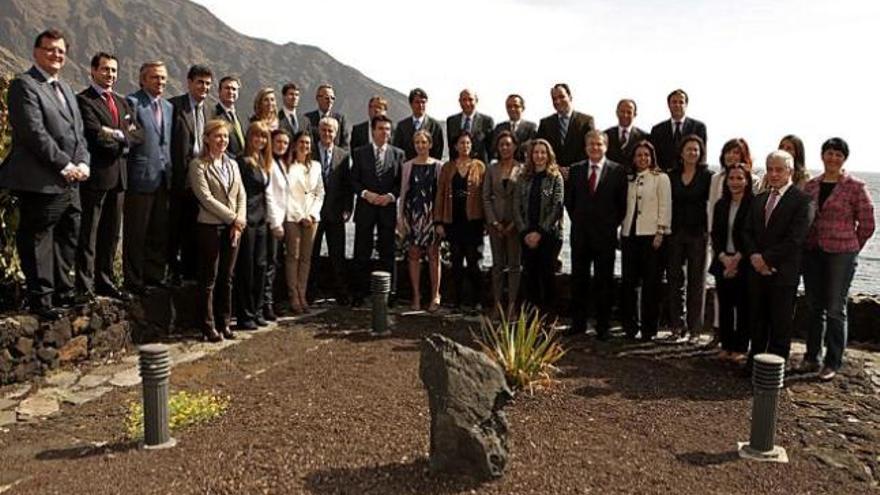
(145, 229)
(524, 130)
(48, 159)
(406, 128)
(477, 124)
(326, 97)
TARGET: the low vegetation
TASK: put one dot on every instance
(185, 409)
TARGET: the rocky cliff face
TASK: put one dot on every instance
(180, 33)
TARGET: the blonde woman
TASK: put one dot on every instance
(217, 185)
(255, 168)
(304, 197)
(266, 108)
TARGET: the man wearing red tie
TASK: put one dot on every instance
(110, 131)
(774, 235)
(595, 198)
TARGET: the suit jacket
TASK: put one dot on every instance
(46, 136)
(595, 217)
(550, 216)
(365, 176)
(667, 147)
(403, 137)
(338, 195)
(255, 182)
(314, 117)
(219, 204)
(845, 221)
(782, 239)
(302, 123)
(108, 166)
(481, 130)
(236, 145)
(525, 132)
(183, 138)
(572, 149)
(720, 225)
(622, 153)
(149, 162)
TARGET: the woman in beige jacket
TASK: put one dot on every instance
(216, 182)
(304, 191)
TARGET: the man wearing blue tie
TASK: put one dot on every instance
(47, 161)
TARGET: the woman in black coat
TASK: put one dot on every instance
(729, 265)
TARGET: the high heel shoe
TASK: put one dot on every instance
(227, 333)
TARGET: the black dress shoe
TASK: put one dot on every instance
(244, 325)
(343, 300)
(114, 293)
(261, 322)
(357, 302)
(212, 336)
(269, 314)
(227, 334)
(47, 314)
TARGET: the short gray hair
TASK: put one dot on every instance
(329, 121)
(783, 156)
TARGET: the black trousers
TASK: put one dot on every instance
(183, 209)
(215, 269)
(772, 310)
(539, 274)
(461, 252)
(733, 312)
(364, 228)
(592, 279)
(46, 240)
(334, 232)
(274, 285)
(145, 238)
(98, 238)
(641, 267)
(250, 273)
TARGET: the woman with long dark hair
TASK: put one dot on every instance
(795, 147)
(277, 208)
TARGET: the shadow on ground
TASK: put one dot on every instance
(397, 478)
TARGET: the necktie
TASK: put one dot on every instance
(60, 94)
(199, 127)
(417, 123)
(771, 204)
(293, 123)
(676, 135)
(380, 159)
(467, 124)
(326, 168)
(563, 127)
(594, 177)
(623, 137)
(157, 113)
(111, 105)
(513, 126)
(237, 127)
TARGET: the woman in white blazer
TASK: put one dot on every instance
(303, 198)
(647, 221)
(276, 200)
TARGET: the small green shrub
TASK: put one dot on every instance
(526, 348)
(184, 409)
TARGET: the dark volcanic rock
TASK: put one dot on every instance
(466, 391)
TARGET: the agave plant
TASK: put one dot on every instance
(526, 348)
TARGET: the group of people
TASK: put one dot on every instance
(231, 203)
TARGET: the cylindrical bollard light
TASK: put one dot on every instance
(768, 374)
(155, 367)
(380, 286)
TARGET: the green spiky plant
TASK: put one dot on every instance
(527, 348)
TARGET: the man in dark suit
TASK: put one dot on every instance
(666, 136)
(47, 161)
(360, 133)
(289, 118)
(565, 129)
(623, 138)
(325, 96)
(228, 89)
(190, 115)
(110, 130)
(469, 119)
(145, 229)
(522, 129)
(595, 198)
(774, 236)
(406, 128)
(336, 210)
(375, 179)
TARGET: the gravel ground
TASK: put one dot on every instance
(322, 408)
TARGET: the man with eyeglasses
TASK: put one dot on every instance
(48, 159)
(326, 97)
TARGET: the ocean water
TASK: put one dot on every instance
(865, 281)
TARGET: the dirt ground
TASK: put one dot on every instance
(320, 407)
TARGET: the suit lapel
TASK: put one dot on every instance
(50, 94)
(98, 102)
